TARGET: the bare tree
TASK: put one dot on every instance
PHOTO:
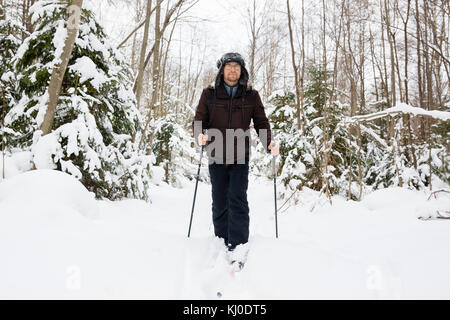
(350, 61)
(419, 63)
(140, 25)
(325, 183)
(138, 17)
(271, 48)
(256, 18)
(294, 66)
(166, 23)
(159, 32)
(140, 77)
(164, 64)
(302, 74)
(390, 35)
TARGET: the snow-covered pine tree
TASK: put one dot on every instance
(301, 156)
(294, 149)
(96, 114)
(394, 166)
(439, 153)
(339, 154)
(9, 43)
(174, 149)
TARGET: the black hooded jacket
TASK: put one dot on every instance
(217, 110)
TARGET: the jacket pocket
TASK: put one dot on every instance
(244, 113)
(219, 115)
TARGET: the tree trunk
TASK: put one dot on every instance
(419, 66)
(178, 79)
(386, 88)
(302, 76)
(430, 104)
(155, 67)
(390, 35)
(59, 70)
(165, 24)
(325, 109)
(397, 155)
(161, 94)
(407, 118)
(362, 62)
(411, 141)
(155, 48)
(405, 34)
(2, 11)
(140, 75)
(349, 64)
(294, 66)
(429, 84)
(138, 18)
(336, 53)
(29, 26)
(26, 17)
(3, 105)
(360, 176)
(397, 68)
(253, 41)
(372, 50)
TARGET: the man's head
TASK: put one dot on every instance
(231, 73)
(232, 69)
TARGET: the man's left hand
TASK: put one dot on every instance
(274, 148)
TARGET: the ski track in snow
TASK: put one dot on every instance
(376, 248)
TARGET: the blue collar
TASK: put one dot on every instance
(233, 89)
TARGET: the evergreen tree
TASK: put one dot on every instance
(302, 155)
(96, 115)
(174, 150)
(9, 43)
(292, 145)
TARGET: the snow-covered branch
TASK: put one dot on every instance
(402, 108)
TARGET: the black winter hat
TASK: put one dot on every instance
(231, 57)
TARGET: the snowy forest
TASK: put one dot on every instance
(357, 93)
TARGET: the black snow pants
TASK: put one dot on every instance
(230, 209)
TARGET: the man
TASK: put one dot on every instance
(226, 111)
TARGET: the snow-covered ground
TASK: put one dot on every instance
(57, 241)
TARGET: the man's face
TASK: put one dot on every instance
(231, 72)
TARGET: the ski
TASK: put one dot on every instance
(236, 260)
(235, 267)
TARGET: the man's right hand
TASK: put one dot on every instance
(202, 138)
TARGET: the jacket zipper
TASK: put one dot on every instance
(230, 112)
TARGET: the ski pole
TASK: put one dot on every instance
(195, 192)
(275, 194)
